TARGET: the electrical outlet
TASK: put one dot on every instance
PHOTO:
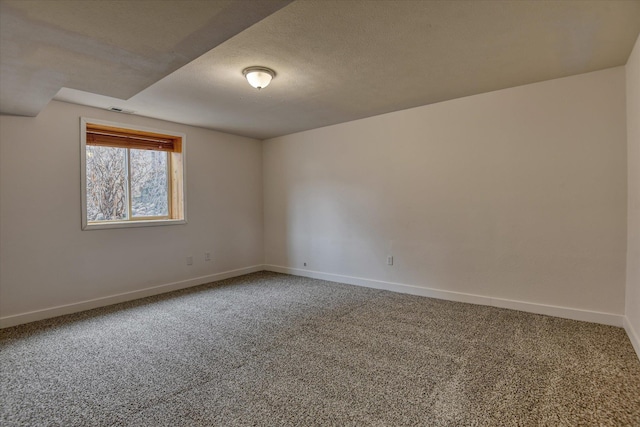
(207, 256)
(189, 260)
(390, 260)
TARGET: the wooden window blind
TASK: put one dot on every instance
(127, 138)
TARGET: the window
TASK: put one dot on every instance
(131, 177)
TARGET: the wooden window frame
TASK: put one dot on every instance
(111, 134)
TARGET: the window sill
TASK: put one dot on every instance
(132, 224)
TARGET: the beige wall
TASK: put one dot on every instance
(518, 194)
(633, 218)
(47, 261)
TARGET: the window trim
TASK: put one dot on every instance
(86, 225)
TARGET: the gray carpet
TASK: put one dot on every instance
(274, 350)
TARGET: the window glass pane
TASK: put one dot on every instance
(149, 195)
(106, 183)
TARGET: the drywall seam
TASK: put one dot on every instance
(633, 336)
(47, 313)
(548, 310)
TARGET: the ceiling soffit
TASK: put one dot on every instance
(109, 48)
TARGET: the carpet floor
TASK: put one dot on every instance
(268, 349)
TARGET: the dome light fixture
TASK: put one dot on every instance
(259, 77)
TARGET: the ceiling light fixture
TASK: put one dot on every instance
(259, 77)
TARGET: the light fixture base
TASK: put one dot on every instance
(258, 77)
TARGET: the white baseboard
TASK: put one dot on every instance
(549, 310)
(47, 313)
(563, 312)
(634, 337)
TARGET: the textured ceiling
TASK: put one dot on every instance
(114, 48)
(335, 60)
